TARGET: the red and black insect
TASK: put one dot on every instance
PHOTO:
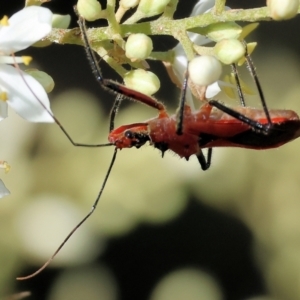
(189, 132)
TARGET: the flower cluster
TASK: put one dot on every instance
(19, 90)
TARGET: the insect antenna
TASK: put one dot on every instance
(76, 144)
(94, 206)
(79, 224)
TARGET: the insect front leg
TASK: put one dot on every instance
(113, 86)
(180, 111)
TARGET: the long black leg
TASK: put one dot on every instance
(253, 73)
(205, 162)
(110, 85)
(238, 85)
(254, 124)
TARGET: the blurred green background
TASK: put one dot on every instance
(164, 229)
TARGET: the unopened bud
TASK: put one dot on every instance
(143, 81)
(152, 7)
(204, 70)
(283, 9)
(229, 51)
(220, 31)
(138, 46)
(89, 9)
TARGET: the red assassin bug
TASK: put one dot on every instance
(213, 125)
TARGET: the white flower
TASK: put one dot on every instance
(180, 62)
(18, 89)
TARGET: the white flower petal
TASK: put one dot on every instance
(23, 100)
(212, 90)
(3, 190)
(26, 27)
(180, 63)
(3, 110)
(202, 7)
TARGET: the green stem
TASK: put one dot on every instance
(110, 61)
(113, 24)
(219, 7)
(161, 26)
(167, 56)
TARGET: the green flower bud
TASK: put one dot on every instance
(89, 9)
(204, 70)
(43, 78)
(138, 46)
(283, 9)
(127, 4)
(143, 81)
(221, 31)
(229, 51)
(61, 21)
(152, 7)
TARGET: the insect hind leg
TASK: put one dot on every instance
(257, 126)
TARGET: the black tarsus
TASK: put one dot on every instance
(205, 162)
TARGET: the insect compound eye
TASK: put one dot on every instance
(128, 134)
